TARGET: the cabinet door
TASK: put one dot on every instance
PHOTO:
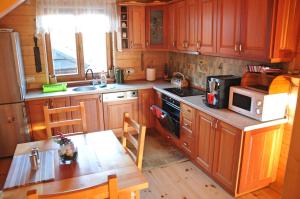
(256, 28)
(136, 27)
(172, 33)
(191, 20)
(93, 112)
(114, 111)
(156, 27)
(261, 153)
(205, 136)
(180, 14)
(229, 27)
(207, 26)
(146, 100)
(58, 103)
(35, 110)
(226, 155)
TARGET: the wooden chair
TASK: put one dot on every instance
(49, 124)
(137, 143)
(107, 190)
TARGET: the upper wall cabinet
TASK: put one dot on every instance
(132, 27)
(156, 27)
(172, 26)
(180, 25)
(136, 16)
(256, 27)
(229, 12)
(207, 29)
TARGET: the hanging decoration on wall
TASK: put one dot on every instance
(37, 56)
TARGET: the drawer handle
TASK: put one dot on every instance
(188, 110)
(186, 125)
(185, 144)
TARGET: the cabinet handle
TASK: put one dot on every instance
(198, 45)
(174, 44)
(147, 43)
(240, 47)
(131, 44)
(235, 47)
(186, 125)
(186, 144)
(216, 124)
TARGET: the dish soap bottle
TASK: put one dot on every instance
(103, 79)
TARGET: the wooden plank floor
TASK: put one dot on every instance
(186, 181)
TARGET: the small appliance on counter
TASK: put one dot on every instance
(119, 75)
(217, 90)
(260, 96)
(151, 74)
(179, 80)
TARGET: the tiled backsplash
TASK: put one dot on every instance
(198, 67)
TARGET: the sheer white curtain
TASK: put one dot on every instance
(76, 15)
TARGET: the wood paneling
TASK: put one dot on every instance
(292, 177)
(260, 158)
(7, 6)
(93, 111)
(22, 20)
(139, 60)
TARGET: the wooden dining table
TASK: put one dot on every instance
(99, 154)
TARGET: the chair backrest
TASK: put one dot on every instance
(50, 124)
(107, 190)
(138, 143)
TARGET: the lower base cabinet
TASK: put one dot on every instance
(260, 158)
(240, 161)
(227, 155)
(93, 110)
(113, 114)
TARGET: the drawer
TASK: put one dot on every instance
(187, 111)
(187, 142)
(187, 124)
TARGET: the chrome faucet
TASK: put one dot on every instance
(94, 82)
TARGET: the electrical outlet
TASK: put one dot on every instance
(129, 71)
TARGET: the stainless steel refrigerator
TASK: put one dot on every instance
(13, 120)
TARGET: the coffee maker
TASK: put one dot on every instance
(217, 90)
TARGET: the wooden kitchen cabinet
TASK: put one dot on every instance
(59, 103)
(93, 111)
(206, 28)
(156, 27)
(180, 19)
(229, 19)
(187, 130)
(260, 158)
(136, 15)
(172, 33)
(256, 26)
(35, 110)
(191, 24)
(114, 111)
(146, 100)
(226, 155)
(205, 141)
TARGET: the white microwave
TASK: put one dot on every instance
(257, 105)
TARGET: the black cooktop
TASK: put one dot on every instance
(185, 92)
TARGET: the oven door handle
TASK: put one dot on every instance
(172, 105)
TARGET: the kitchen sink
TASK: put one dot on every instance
(85, 88)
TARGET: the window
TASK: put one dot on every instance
(76, 35)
